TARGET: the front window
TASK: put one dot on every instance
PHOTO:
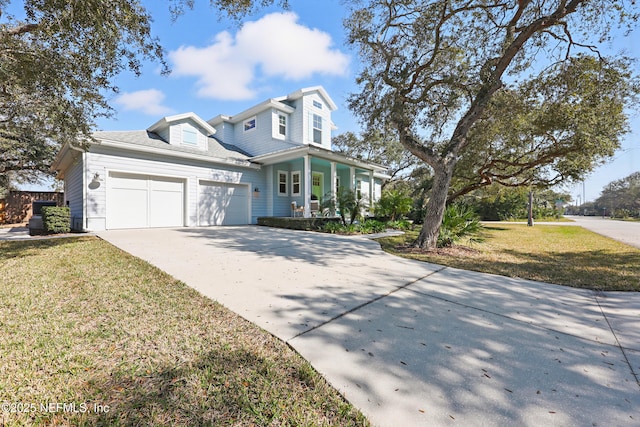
(317, 129)
(295, 183)
(282, 183)
(282, 125)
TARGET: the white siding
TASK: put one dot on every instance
(73, 193)
(176, 131)
(296, 122)
(324, 112)
(105, 159)
(260, 140)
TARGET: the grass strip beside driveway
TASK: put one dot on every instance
(564, 255)
(94, 336)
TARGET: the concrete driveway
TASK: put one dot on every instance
(417, 344)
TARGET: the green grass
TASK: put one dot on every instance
(564, 255)
(84, 323)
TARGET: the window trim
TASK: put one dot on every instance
(293, 183)
(284, 174)
(247, 122)
(314, 128)
(282, 126)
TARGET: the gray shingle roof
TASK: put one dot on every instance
(216, 149)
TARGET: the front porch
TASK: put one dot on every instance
(300, 182)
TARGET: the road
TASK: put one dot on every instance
(623, 231)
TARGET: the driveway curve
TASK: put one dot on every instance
(415, 344)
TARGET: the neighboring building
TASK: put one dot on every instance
(230, 170)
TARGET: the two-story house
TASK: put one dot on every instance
(230, 170)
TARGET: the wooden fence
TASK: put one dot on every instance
(16, 207)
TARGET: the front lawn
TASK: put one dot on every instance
(564, 255)
(94, 336)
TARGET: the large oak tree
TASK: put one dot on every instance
(438, 72)
(58, 61)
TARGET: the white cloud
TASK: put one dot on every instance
(275, 46)
(147, 101)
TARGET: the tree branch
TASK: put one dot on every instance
(21, 29)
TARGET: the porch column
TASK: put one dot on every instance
(307, 187)
(352, 179)
(371, 193)
(334, 178)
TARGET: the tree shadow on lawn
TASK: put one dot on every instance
(24, 248)
(218, 387)
(596, 270)
(223, 386)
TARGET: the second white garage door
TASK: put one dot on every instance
(142, 201)
(222, 203)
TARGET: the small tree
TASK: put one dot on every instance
(459, 222)
(347, 203)
(394, 204)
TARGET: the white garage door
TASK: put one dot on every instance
(223, 204)
(141, 201)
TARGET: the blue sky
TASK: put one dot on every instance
(222, 68)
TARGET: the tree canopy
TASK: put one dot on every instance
(621, 197)
(433, 71)
(58, 61)
(554, 128)
(376, 147)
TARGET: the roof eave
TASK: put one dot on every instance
(178, 154)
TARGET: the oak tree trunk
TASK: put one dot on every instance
(428, 237)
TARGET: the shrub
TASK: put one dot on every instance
(333, 228)
(393, 205)
(371, 226)
(401, 224)
(459, 222)
(56, 219)
(347, 203)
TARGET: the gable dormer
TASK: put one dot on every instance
(184, 130)
(313, 107)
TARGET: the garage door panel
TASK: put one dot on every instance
(141, 201)
(222, 204)
(166, 209)
(129, 208)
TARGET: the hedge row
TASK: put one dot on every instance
(310, 224)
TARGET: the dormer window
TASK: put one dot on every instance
(189, 135)
(282, 125)
(317, 104)
(249, 124)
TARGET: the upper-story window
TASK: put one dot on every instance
(317, 129)
(249, 124)
(282, 125)
(317, 104)
(189, 135)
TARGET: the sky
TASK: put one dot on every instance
(220, 67)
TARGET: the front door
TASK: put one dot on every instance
(317, 184)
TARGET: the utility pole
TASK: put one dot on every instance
(530, 216)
